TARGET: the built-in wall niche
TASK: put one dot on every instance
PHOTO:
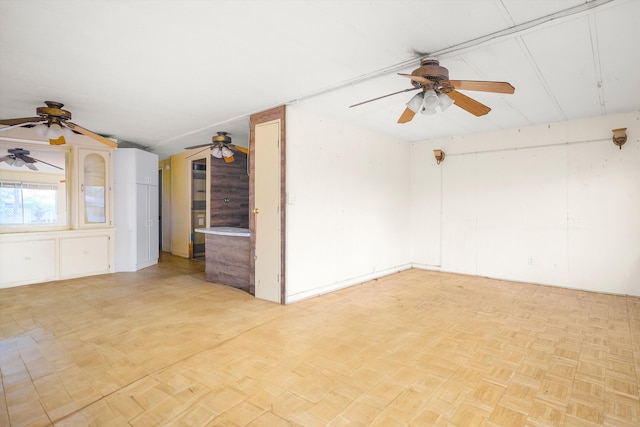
(198, 206)
(34, 187)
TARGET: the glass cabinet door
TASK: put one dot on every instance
(94, 188)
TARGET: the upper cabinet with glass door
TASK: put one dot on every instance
(94, 201)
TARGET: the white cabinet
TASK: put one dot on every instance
(84, 256)
(28, 261)
(136, 209)
(53, 255)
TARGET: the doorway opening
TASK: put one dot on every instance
(198, 207)
(159, 210)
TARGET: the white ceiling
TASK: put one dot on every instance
(169, 74)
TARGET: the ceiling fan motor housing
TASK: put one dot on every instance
(54, 112)
(430, 69)
(221, 138)
(18, 151)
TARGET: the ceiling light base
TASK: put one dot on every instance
(221, 138)
(53, 110)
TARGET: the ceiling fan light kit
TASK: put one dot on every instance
(216, 152)
(445, 102)
(415, 103)
(15, 162)
(55, 133)
(226, 152)
(430, 102)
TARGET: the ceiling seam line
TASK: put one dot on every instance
(593, 34)
(540, 75)
(465, 45)
(525, 26)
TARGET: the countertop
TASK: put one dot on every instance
(225, 231)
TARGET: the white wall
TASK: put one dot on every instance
(348, 204)
(556, 204)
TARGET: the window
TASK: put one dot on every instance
(23, 203)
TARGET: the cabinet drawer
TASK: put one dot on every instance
(81, 256)
(27, 262)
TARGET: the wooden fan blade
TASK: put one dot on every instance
(23, 124)
(240, 149)
(384, 96)
(90, 134)
(41, 161)
(198, 146)
(196, 153)
(229, 159)
(27, 159)
(21, 121)
(497, 87)
(406, 116)
(58, 141)
(418, 79)
(468, 104)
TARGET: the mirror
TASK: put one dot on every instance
(33, 186)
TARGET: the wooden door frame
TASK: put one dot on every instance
(278, 113)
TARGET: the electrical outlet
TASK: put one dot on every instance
(531, 261)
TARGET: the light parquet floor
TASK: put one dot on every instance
(163, 347)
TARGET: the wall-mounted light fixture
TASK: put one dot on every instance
(619, 136)
(439, 155)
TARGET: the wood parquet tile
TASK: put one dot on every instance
(163, 347)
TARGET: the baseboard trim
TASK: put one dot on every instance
(345, 283)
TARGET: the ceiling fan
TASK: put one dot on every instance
(440, 92)
(19, 157)
(221, 147)
(55, 123)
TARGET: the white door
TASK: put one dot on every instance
(267, 203)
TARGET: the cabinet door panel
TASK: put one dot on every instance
(146, 168)
(142, 229)
(81, 256)
(154, 246)
(26, 262)
(147, 225)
